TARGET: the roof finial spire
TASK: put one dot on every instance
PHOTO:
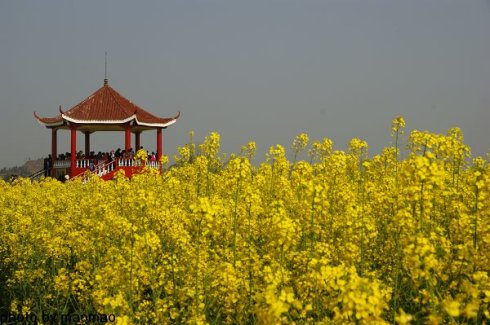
(106, 81)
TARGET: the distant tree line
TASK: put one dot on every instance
(6, 173)
(30, 167)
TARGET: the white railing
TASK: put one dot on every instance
(121, 162)
(100, 170)
(84, 163)
(61, 164)
(80, 163)
(126, 162)
(153, 164)
(103, 169)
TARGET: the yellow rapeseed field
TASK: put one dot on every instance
(339, 238)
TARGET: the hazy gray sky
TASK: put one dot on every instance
(251, 70)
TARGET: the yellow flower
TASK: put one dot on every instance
(403, 318)
(141, 154)
(452, 308)
(397, 125)
(343, 238)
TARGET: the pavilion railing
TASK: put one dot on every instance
(84, 169)
(80, 163)
(61, 164)
(153, 164)
(126, 162)
(37, 175)
(85, 163)
(103, 169)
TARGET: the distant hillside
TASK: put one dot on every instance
(29, 168)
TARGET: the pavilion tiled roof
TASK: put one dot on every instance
(106, 106)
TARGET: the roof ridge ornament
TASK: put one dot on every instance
(106, 81)
(61, 111)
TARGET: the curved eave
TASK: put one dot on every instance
(60, 121)
(162, 124)
(156, 125)
(51, 125)
(77, 121)
(48, 122)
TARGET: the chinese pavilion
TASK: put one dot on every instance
(104, 110)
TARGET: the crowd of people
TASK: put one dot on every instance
(100, 157)
(92, 161)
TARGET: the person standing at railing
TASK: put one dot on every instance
(48, 164)
(110, 159)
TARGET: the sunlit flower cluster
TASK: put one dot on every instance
(331, 237)
(141, 154)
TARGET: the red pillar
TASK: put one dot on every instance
(54, 150)
(137, 140)
(87, 143)
(159, 143)
(73, 155)
(127, 140)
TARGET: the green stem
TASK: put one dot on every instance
(475, 227)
